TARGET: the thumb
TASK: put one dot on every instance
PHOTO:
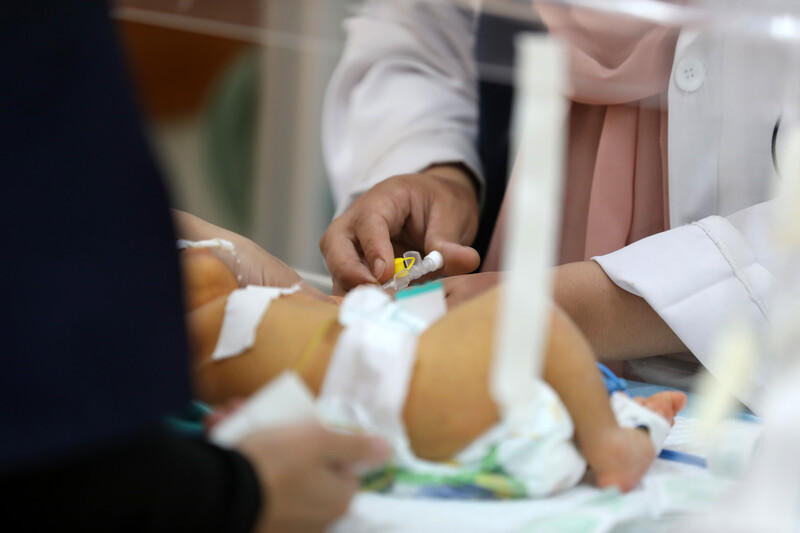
(458, 259)
(446, 233)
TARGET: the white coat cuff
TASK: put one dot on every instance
(697, 278)
(417, 153)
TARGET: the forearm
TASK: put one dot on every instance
(618, 324)
(457, 172)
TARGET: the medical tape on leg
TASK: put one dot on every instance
(243, 313)
(367, 379)
(630, 414)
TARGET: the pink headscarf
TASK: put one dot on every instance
(616, 170)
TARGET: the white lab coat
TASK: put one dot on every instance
(404, 97)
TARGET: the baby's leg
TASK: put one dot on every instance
(448, 403)
(623, 456)
(281, 339)
(618, 456)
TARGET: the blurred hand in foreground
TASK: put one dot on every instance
(308, 474)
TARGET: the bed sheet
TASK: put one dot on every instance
(669, 492)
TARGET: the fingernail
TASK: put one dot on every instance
(379, 267)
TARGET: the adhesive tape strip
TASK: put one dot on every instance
(208, 243)
(243, 313)
(371, 304)
(630, 414)
(369, 373)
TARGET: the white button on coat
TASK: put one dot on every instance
(689, 74)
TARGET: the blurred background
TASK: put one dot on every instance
(232, 92)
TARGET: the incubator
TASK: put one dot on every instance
(717, 83)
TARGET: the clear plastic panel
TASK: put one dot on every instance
(730, 55)
(709, 89)
(697, 102)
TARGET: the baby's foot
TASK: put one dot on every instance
(667, 404)
(623, 455)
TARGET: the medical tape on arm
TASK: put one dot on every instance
(630, 414)
(243, 313)
(368, 376)
(222, 244)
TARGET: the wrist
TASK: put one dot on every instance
(456, 173)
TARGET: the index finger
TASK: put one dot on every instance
(343, 261)
(372, 232)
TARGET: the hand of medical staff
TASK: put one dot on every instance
(459, 289)
(434, 210)
(255, 265)
(308, 472)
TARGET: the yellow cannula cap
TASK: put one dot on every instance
(400, 264)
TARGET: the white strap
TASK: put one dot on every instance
(367, 380)
(630, 414)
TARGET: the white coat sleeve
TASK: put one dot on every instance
(403, 97)
(699, 276)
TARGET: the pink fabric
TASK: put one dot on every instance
(615, 191)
